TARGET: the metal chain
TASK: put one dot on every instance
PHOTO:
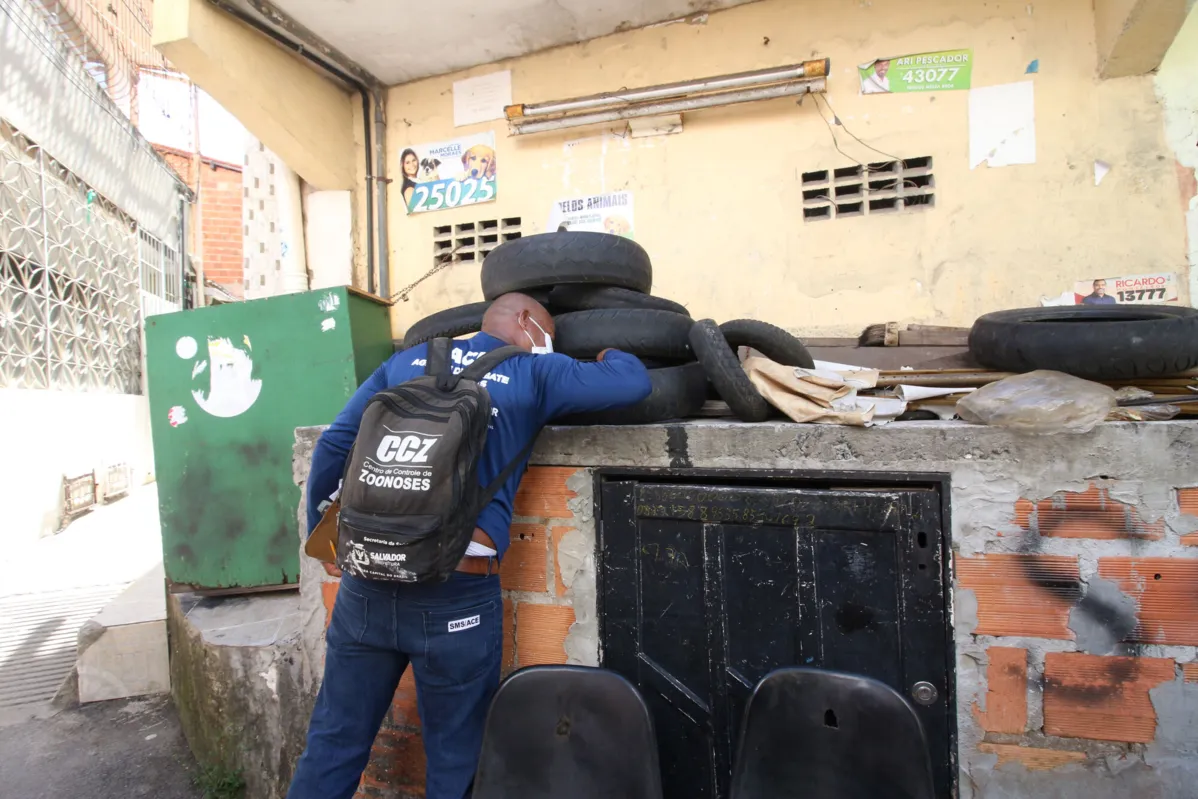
(447, 260)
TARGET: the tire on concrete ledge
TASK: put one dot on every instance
(660, 335)
(451, 322)
(551, 259)
(725, 373)
(1104, 342)
(573, 297)
(678, 392)
(771, 341)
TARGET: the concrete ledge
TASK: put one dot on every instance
(122, 650)
(242, 685)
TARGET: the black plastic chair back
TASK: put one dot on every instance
(812, 734)
(568, 732)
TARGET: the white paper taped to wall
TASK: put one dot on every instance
(481, 99)
(1002, 125)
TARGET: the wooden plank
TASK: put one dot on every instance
(945, 380)
(934, 337)
(828, 342)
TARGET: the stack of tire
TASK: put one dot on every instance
(597, 288)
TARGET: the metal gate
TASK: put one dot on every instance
(707, 587)
(70, 268)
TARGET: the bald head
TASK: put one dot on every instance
(511, 316)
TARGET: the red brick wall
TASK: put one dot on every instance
(179, 161)
(220, 214)
(536, 621)
(220, 209)
(1044, 708)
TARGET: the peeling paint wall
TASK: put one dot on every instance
(1074, 605)
(1178, 93)
(719, 206)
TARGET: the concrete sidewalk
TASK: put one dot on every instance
(56, 584)
(110, 750)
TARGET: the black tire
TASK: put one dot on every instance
(451, 322)
(550, 259)
(660, 335)
(589, 298)
(725, 373)
(771, 341)
(1107, 342)
(678, 392)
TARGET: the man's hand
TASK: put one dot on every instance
(331, 569)
(599, 357)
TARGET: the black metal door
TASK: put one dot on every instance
(707, 588)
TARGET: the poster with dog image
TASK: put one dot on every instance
(448, 174)
(598, 213)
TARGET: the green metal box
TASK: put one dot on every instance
(228, 386)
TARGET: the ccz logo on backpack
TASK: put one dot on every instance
(404, 449)
(391, 481)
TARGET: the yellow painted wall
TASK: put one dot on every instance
(718, 207)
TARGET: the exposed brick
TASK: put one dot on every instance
(1166, 591)
(524, 564)
(509, 637)
(1189, 671)
(396, 763)
(1102, 698)
(222, 230)
(1086, 514)
(1022, 594)
(1006, 691)
(543, 493)
(404, 710)
(1030, 758)
(328, 592)
(1024, 508)
(1187, 501)
(557, 533)
(541, 633)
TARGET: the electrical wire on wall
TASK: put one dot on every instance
(836, 120)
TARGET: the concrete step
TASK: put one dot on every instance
(123, 649)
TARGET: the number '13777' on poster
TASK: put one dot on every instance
(449, 174)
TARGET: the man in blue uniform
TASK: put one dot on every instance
(451, 633)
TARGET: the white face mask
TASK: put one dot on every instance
(547, 349)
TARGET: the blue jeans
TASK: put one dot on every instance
(451, 633)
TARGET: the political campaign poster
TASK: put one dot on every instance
(598, 213)
(1130, 290)
(448, 174)
(923, 72)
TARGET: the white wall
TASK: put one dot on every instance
(46, 435)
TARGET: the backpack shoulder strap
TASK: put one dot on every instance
(491, 490)
(477, 370)
(437, 364)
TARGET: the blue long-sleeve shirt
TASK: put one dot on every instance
(527, 391)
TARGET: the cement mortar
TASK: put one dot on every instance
(989, 470)
(241, 687)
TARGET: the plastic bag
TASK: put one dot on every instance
(1144, 413)
(1040, 402)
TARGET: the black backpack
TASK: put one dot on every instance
(410, 495)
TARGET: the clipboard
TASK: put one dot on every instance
(322, 544)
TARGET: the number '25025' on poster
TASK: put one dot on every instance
(449, 174)
(923, 72)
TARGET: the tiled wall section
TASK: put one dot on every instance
(537, 616)
(1095, 608)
